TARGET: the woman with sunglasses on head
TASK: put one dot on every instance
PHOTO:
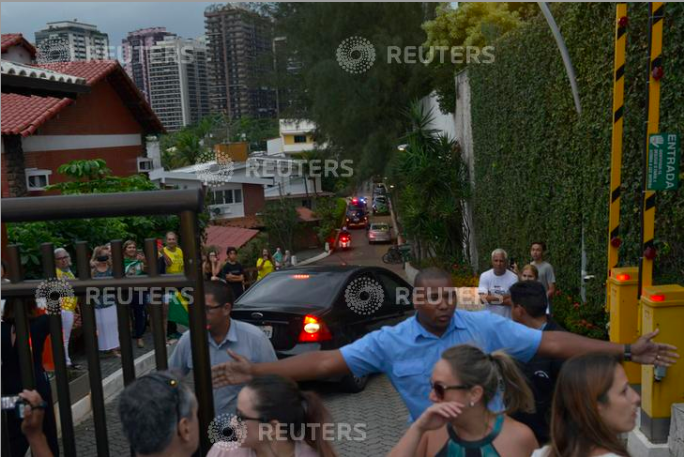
(592, 405)
(276, 419)
(459, 423)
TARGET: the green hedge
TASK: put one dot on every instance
(542, 172)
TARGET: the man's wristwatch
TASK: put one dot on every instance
(627, 355)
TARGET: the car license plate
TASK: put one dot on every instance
(268, 330)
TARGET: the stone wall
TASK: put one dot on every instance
(13, 167)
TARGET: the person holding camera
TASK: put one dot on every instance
(495, 284)
(12, 386)
(33, 411)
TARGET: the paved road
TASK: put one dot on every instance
(378, 409)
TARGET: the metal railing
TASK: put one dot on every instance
(187, 204)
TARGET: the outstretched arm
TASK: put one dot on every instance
(312, 365)
(564, 345)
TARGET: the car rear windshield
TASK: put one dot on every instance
(380, 227)
(294, 288)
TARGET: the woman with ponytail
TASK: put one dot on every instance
(459, 423)
(592, 405)
(276, 419)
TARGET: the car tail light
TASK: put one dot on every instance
(657, 297)
(623, 277)
(314, 330)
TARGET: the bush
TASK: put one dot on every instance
(542, 170)
(588, 319)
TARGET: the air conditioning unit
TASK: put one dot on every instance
(145, 165)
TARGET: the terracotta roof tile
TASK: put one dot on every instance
(228, 236)
(22, 115)
(248, 222)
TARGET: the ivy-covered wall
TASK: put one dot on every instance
(542, 172)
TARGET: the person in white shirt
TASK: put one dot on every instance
(592, 406)
(495, 284)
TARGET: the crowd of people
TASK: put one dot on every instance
(170, 261)
(466, 378)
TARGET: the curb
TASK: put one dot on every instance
(112, 386)
(320, 256)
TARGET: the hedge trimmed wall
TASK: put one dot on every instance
(542, 172)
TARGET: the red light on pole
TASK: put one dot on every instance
(623, 21)
(650, 253)
(616, 242)
(657, 73)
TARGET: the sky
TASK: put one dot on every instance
(116, 19)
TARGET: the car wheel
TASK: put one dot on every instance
(353, 384)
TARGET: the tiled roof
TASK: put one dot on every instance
(248, 222)
(228, 236)
(22, 115)
(13, 39)
(91, 70)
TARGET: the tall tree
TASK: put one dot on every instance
(477, 24)
(358, 114)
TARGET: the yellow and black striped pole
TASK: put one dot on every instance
(614, 240)
(655, 73)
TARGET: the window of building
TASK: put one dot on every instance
(37, 179)
(226, 197)
(300, 138)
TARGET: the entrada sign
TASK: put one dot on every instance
(663, 161)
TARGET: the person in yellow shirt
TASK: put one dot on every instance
(68, 304)
(173, 257)
(264, 265)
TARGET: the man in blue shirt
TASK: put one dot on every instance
(407, 352)
(224, 334)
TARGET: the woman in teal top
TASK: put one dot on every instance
(459, 424)
(134, 265)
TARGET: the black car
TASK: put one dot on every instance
(314, 308)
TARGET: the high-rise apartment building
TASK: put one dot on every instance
(135, 55)
(240, 61)
(66, 41)
(177, 72)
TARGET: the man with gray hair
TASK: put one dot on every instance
(159, 416)
(495, 284)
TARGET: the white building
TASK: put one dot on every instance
(67, 41)
(296, 136)
(178, 81)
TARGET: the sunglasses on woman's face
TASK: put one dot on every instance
(440, 389)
